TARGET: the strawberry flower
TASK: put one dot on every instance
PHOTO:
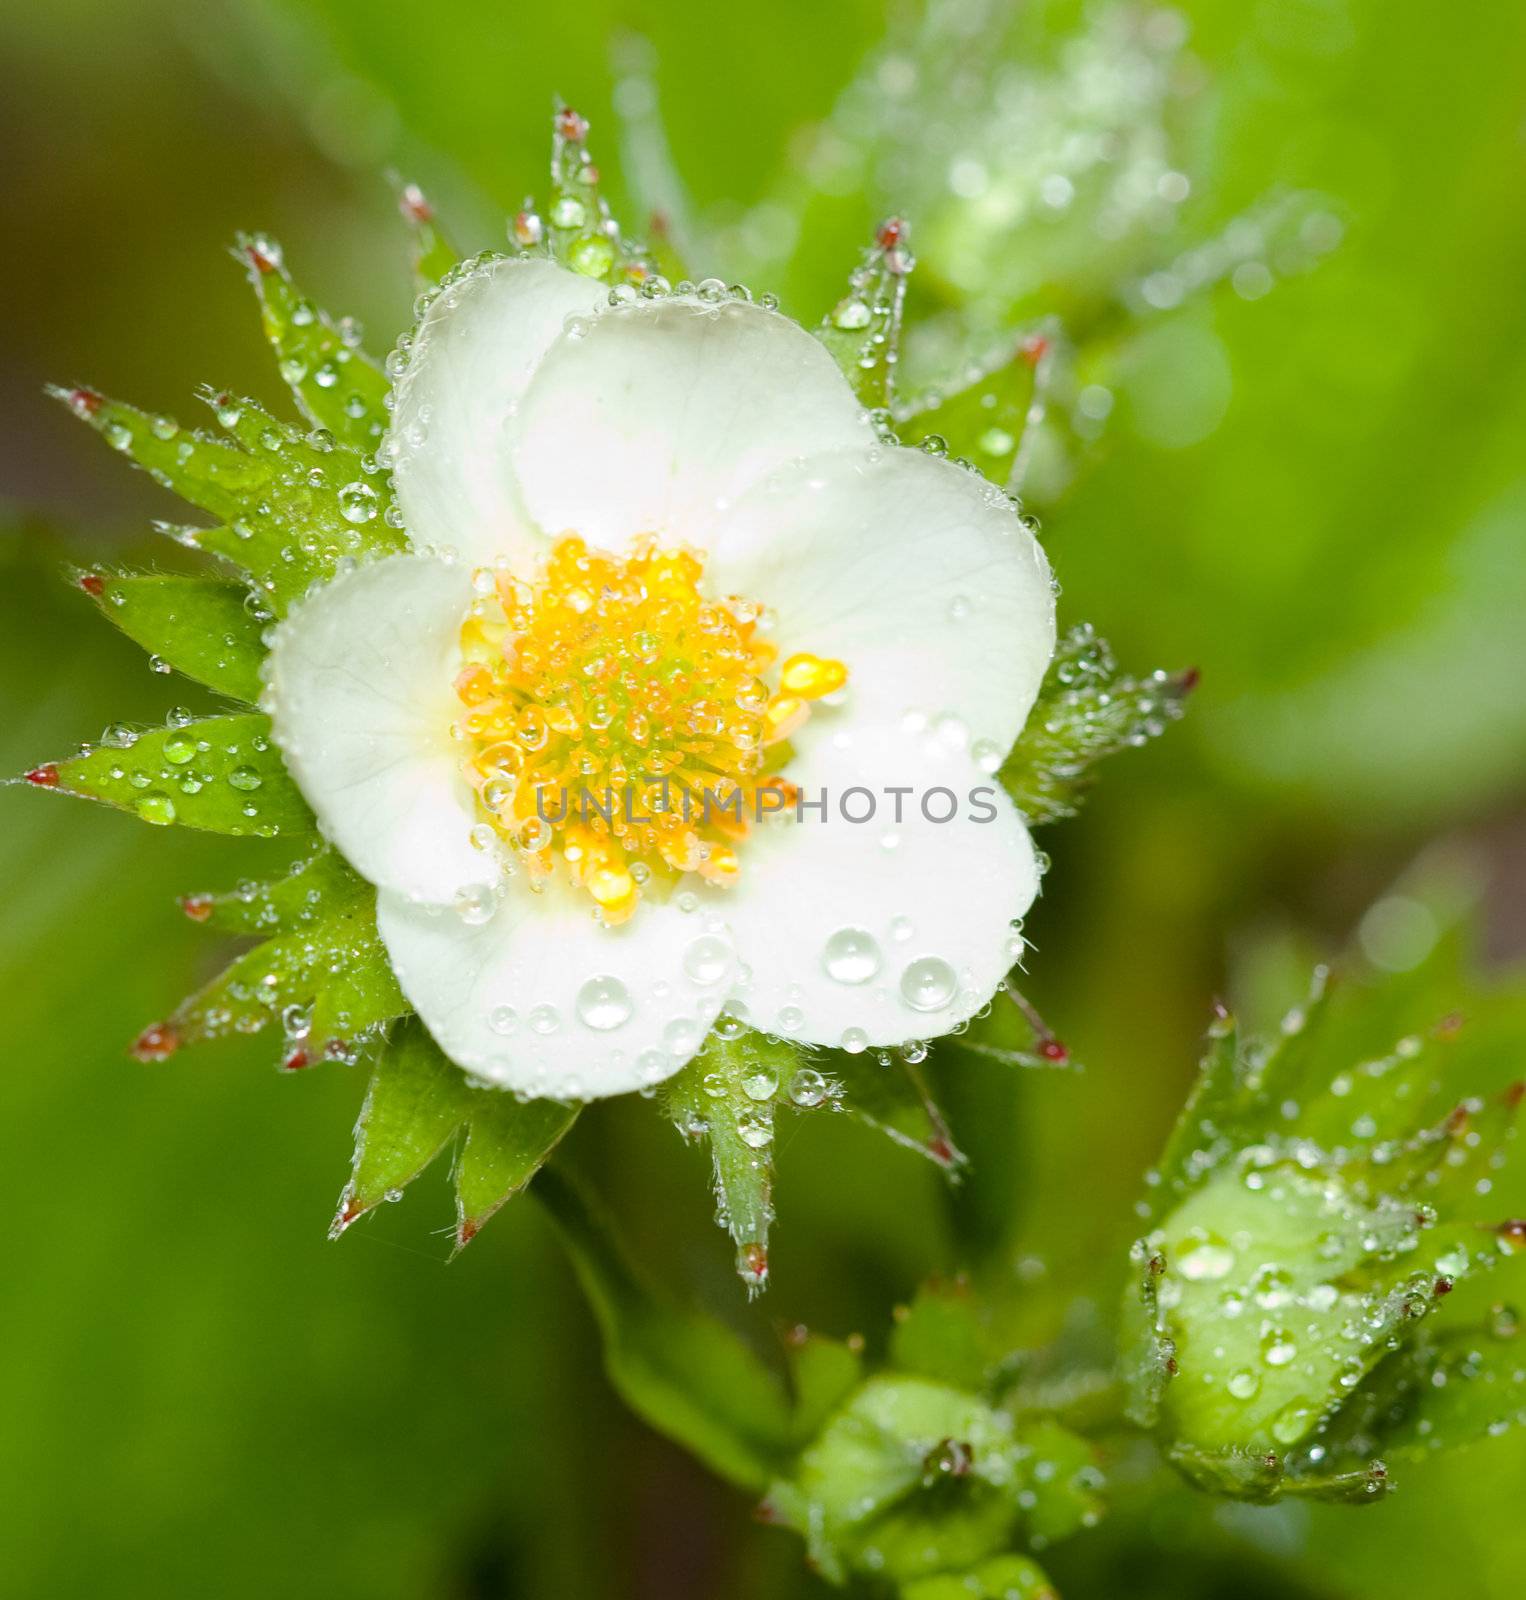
(601, 737)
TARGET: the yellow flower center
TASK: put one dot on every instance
(620, 723)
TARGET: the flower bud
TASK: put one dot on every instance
(1307, 1224)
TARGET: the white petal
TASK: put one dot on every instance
(542, 1000)
(879, 932)
(472, 356)
(917, 574)
(360, 689)
(665, 411)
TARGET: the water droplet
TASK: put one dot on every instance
(808, 1087)
(851, 956)
(158, 809)
(604, 1004)
(755, 1129)
(503, 1020)
(544, 1019)
(707, 960)
(358, 502)
(855, 1041)
(1205, 1258)
(1278, 1347)
(760, 1085)
(475, 904)
(1244, 1385)
(928, 984)
(245, 778)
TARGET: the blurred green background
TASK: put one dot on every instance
(1319, 498)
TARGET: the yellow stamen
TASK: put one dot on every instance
(811, 677)
(615, 718)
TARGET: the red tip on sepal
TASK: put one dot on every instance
(413, 204)
(571, 126)
(1053, 1050)
(264, 258)
(1513, 1233)
(752, 1264)
(1033, 349)
(891, 233)
(157, 1042)
(198, 907)
(92, 583)
(45, 776)
(466, 1230)
(349, 1209)
(296, 1061)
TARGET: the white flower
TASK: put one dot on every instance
(650, 539)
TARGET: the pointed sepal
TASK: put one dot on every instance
(433, 254)
(209, 629)
(863, 330)
(1086, 710)
(336, 385)
(220, 774)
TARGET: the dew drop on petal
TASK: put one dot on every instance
(855, 1041)
(503, 1019)
(706, 960)
(928, 984)
(604, 1004)
(851, 956)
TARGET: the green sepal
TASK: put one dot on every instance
(317, 886)
(886, 1092)
(689, 1376)
(329, 984)
(220, 774)
(727, 1095)
(291, 509)
(1004, 1578)
(417, 1102)
(944, 1334)
(506, 1142)
(1450, 1389)
(1086, 709)
(863, 330)
(984, 419)
(335, 383)
(210, 629)
(823, 1373)
(433, 253)
(579, 230)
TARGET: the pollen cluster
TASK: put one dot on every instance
(621, 725)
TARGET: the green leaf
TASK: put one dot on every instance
(984, 419)
(210, 629)
(292, 509)
(335, 383)
(689, 1376)
(1085, 710)
(433, 253)
(863, 330)
(329, 984)
(316, 887)
(221, 774)
(727, 1095)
